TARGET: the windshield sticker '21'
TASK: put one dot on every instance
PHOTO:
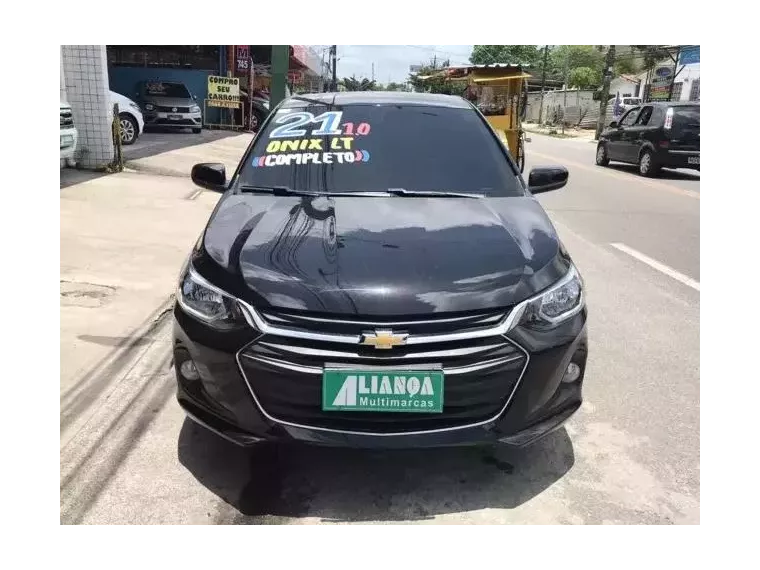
(328, 125)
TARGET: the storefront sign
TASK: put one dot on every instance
(689, 55)
(223, 91)
(242, 59)
(660, 86)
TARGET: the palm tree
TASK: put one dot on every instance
(354, 84)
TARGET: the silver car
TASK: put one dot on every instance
(169, 104)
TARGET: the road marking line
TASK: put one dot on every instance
(661, 267)
(195, 194)
(619, 176)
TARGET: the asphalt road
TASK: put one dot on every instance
(631, 455)
(156, 141)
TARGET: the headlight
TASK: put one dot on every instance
(195, 109)
(558, 303)
(208, 303)
(149, 107)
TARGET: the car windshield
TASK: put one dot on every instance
(380, 148)
(163, 89)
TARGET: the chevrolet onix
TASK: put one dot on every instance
(378, 274)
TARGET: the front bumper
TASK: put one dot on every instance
(223, 399)
(68, 143)
(174, 120)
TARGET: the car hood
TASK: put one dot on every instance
(169, 101)
(383, 256)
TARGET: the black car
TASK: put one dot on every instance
(654, 135)
(378, 274)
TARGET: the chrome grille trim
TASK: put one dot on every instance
(340, 354)
(260, 323)
(383, 434)
(449, 371)
(485, 319)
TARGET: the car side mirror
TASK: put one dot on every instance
(613, 124)
(546, 178)
(210, 175)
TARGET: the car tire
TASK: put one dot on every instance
(196, 131)
(257, 118)
(602, 158)
(647, 165)
(128, 129)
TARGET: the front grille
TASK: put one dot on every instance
(285, 373)
(176, 123)
(67, 119)
(173, 109)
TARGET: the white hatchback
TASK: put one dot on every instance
(130, 118)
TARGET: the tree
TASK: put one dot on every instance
(572, 57)
(435, 84)
(652, 55)
(393, 86)
(354, 84)
(585, 77)
(529, 56)
(629, 63)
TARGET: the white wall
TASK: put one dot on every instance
(86, 87)
(621, 86)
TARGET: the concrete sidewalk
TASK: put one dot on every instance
(179, 162)
(124, 238)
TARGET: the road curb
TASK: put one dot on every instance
(137, 168)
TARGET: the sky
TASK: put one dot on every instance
(392, 62)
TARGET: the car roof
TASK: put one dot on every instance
(673, 103)
(382, 98)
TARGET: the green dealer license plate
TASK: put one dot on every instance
(348, 390)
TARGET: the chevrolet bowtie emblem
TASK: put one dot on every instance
(383, 339)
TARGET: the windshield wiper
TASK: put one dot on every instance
(332, 104)
(278, 190)
(431, 193)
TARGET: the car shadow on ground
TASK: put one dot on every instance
(664, 174)
(270, 483)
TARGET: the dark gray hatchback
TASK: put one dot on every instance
(653, 136)
(378, 274)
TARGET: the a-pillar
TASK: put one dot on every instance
(85, 70)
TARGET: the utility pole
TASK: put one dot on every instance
(373, 71)
(564, 103)
(675, 73)
(543, 85)
(280, 60)
(334, 64)
(608, 63)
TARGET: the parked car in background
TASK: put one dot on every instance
(654, 136)
(169, 104)
(130, 118)
(68, 135)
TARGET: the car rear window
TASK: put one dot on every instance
(163, 89)
(686, 116)
(375, 147)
